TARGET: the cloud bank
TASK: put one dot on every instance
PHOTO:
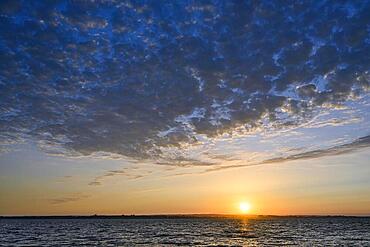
(363, 142)
(137, 80)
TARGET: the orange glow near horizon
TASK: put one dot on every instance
(287, 189)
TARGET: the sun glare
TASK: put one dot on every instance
(244, 207)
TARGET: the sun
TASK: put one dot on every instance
(244, 207)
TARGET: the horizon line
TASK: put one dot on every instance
(179, 215)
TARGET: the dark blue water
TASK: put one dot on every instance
(266, 231)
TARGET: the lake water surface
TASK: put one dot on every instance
(197, 231)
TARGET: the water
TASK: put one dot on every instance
(199, 231)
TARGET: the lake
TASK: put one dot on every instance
(186, 231)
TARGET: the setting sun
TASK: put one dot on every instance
(244, 207)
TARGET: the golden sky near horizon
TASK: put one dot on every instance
(323, 186)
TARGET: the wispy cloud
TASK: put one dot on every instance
(69, 198)
(64, 179)
(185, 162)
(336, 150)
(363, 142)
(124, 172)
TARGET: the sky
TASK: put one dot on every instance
(165, 107)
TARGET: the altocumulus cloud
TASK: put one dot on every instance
(130, 79)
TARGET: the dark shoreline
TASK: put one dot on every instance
(177, 216)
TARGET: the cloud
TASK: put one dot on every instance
(334, 122)
(133, 80)
(66, 199)
(64, 179)
(363, 142)
(124, 172)
(185, 162)
(360, 143)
